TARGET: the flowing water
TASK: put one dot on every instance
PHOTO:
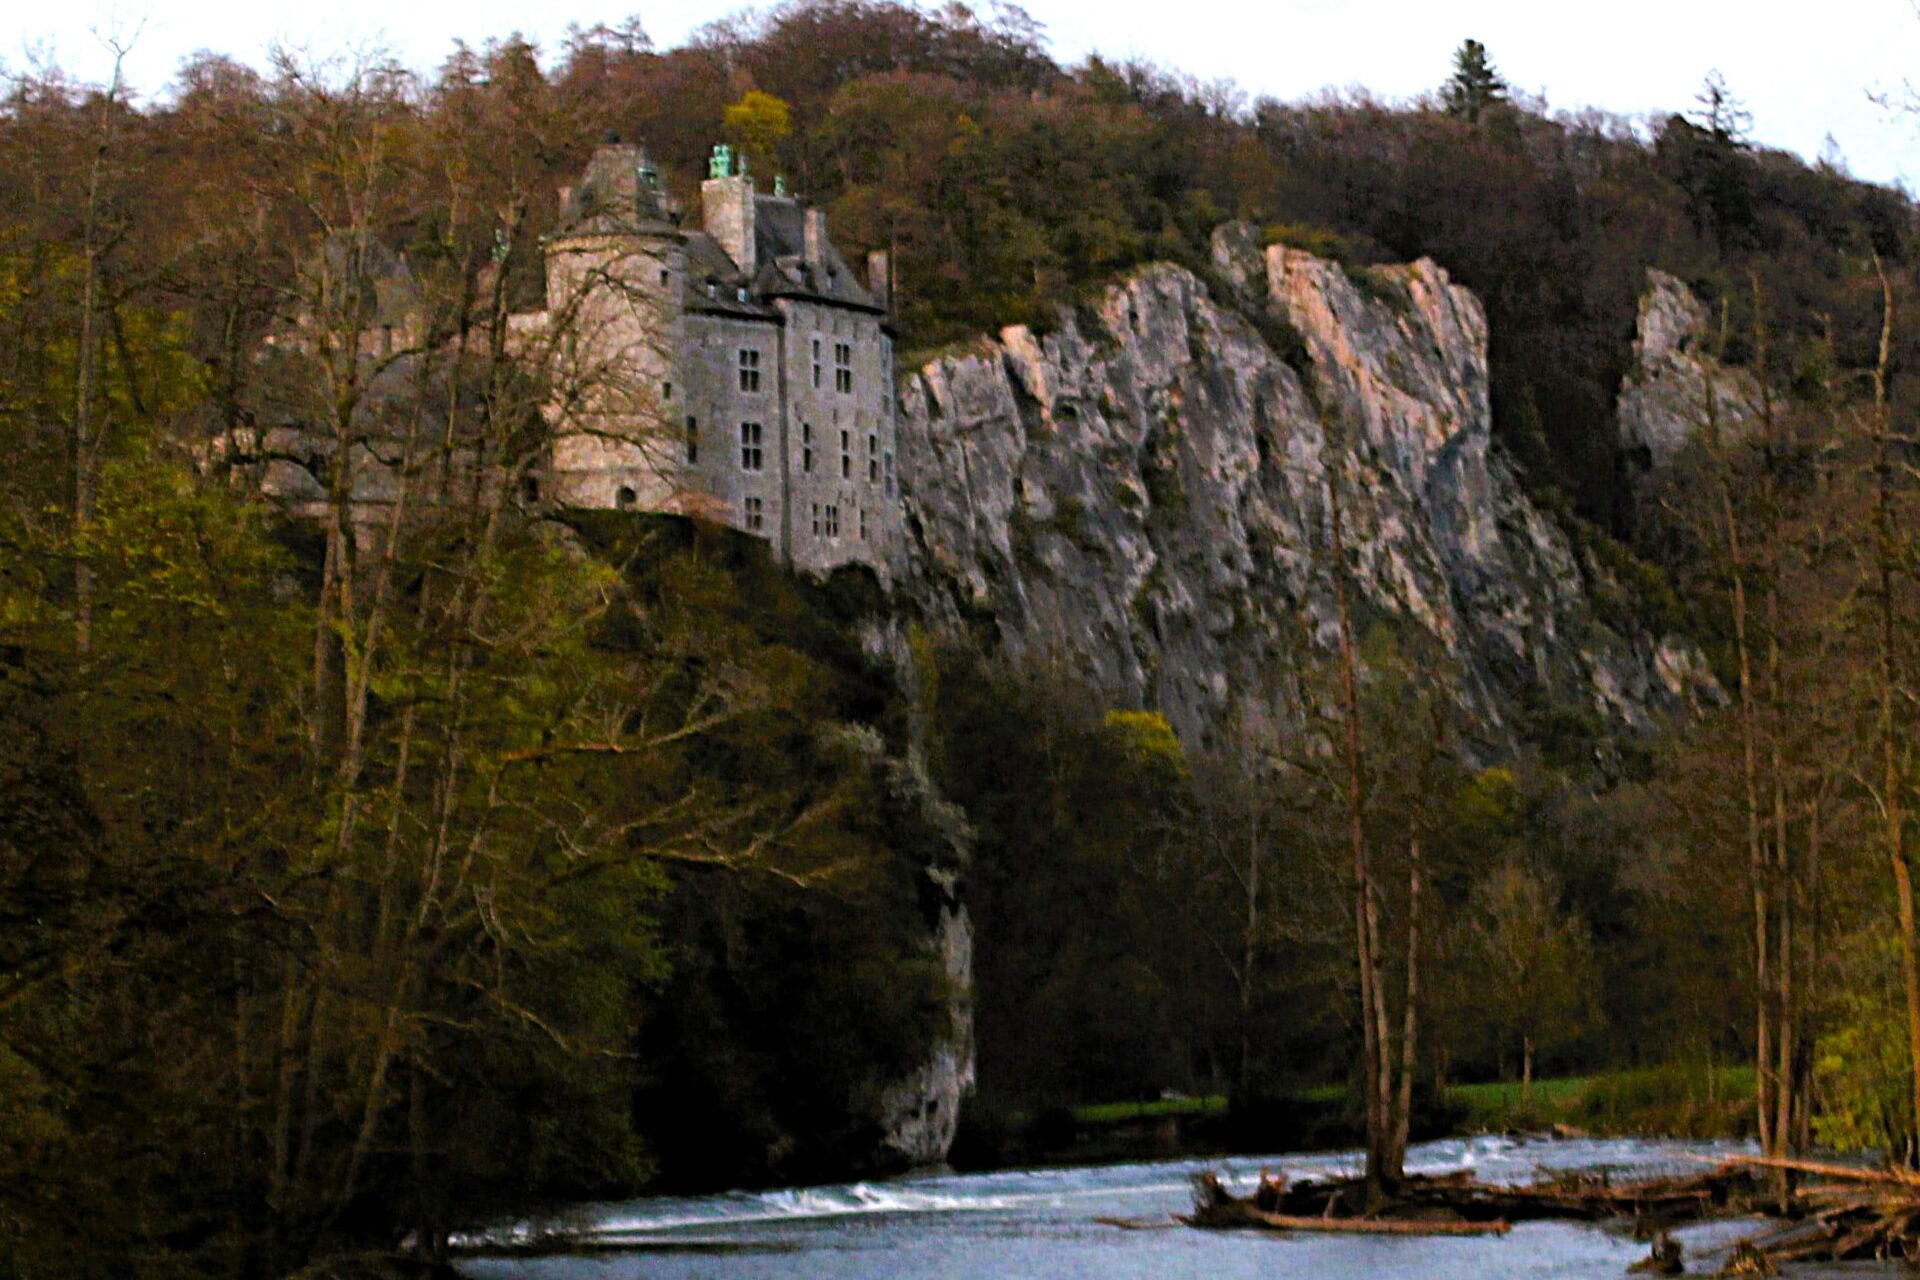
(1041, 1223)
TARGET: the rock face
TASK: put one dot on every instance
(1665, 397)
(920, 1115)
(1140, 496)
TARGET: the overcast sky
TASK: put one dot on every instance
(1804, 69)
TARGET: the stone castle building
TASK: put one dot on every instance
(741, 371)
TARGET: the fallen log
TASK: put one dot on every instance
(1825, 1169)
(1379, 1226)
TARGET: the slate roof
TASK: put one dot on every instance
(619, 193)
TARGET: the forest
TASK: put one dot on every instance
(357, 886)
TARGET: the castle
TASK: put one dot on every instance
(741, 371)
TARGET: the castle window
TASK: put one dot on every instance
(666, 391)
(756, 514)
(530, 488)
(749, 370)
(846, 455)
(832, 520)
(816, 364)
(816, 519)
(693, 439)
(664, 278)
(843, 367)
(889, 475)
(750, 458)
(625, 498)
(806, 447)
(873, 458)
(863, 524)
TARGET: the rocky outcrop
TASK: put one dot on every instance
(920, 1115)
(1140, 496)
(1675, 386)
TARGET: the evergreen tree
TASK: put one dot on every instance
(1474, 86)
(1724, 117)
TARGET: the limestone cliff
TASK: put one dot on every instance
(1140, 496)
(1675, 380)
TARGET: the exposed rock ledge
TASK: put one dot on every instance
(1139, 496)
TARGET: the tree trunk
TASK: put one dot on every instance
(1893, 782)
(1757, 863)
(1410, 1025)
(85, 444)
(1372, 1016)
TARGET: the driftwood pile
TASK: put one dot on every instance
(1459, 1204)
(1838, 1212)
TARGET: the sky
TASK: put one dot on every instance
(1804, 69)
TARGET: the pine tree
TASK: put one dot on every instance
(1474, 86)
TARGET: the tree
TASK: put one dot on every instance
(758, 124)
(1724, 117)
(1537, 964)
(1475, 87)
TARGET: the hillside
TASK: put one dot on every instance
(1387, 596)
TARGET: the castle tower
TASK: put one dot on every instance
(615, 275)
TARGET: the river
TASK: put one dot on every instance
(1040, 1223)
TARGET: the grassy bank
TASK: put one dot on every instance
(1678, 1101)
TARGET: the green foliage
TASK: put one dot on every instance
(1146, 741)
(1535, 964)
(1861, 1070)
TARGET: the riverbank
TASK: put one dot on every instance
(1683, 1101)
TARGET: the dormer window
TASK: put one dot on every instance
(749, 370)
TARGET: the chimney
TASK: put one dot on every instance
(816, 248)
(726, 209)
(880, 277)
